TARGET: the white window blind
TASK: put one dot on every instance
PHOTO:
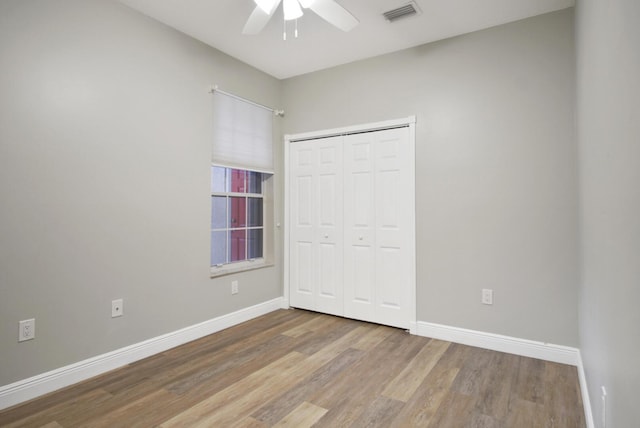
(242, 134)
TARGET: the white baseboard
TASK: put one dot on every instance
(497, 342)
(44, 383)
(584, 390)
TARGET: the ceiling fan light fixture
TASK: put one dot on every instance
(291, 10)
(266, 5)
(306, 3)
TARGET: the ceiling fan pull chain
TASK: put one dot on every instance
(284, 30)
(296, 30)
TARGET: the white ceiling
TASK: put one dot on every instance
(219, 23)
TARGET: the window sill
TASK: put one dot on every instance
(240, 267)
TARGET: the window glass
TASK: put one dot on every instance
(254, 212)
(255, 182)
(218, 248)
(238, 180)
(218, 212)
(237, 215)
(238, 245)
(238, 212)
(255, 244)
(218, 179)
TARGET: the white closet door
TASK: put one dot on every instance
(378, 227)
(316, 232)
(394, 256)
(359, 220)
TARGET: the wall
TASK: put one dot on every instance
(496, 178)
(608, 129)
(105, 132)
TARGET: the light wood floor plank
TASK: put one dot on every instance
(380, 413)
(278, 408)
(303, 416)
(455, 410)
(495, 395)
(371, 340)
(43, 416)
(406, 383)
(348, 397)
(423, 405)
(53, 424)
(236, 395)
(530, 380)
(248, 422)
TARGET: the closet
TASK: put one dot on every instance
(350, 236)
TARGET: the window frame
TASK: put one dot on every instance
(265, 195)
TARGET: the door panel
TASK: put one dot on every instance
(359, 221)
(393, 255)
(329, 228)
(316, 225)
(375, 219)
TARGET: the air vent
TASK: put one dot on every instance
(409, 9)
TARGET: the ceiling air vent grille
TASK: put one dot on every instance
(409, 9)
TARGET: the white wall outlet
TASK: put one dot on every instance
(117, 308)
(234, 287)
(487, 296)
(26, 330)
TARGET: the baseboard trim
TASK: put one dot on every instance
(497, 342)
(584, 390)
(27, 389)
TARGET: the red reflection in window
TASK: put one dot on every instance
(238, 180)
(238, 212)
(238, 245)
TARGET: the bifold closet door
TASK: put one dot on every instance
(377, 220)
(316, 225)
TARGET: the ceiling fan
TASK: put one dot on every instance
(328, 10)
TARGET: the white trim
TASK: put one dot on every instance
(286, 250)
(235, 267)
(497, 342)
(413, 278)
(584, 390)
(44, 383)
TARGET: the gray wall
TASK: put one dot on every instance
(496, 178)
(104, 179)
(608, 129)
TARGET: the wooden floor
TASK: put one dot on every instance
(296, 368)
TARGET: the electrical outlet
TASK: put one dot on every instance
(27, 330)
(117, 308)
(234, 287)
(487, 296)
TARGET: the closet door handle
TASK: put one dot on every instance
(326, 236)
(360, 238)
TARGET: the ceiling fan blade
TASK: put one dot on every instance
(258, 19)
(334, 14)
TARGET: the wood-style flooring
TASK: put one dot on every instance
(293, 368)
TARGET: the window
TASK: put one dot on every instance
(237, 216)
(242, 212)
